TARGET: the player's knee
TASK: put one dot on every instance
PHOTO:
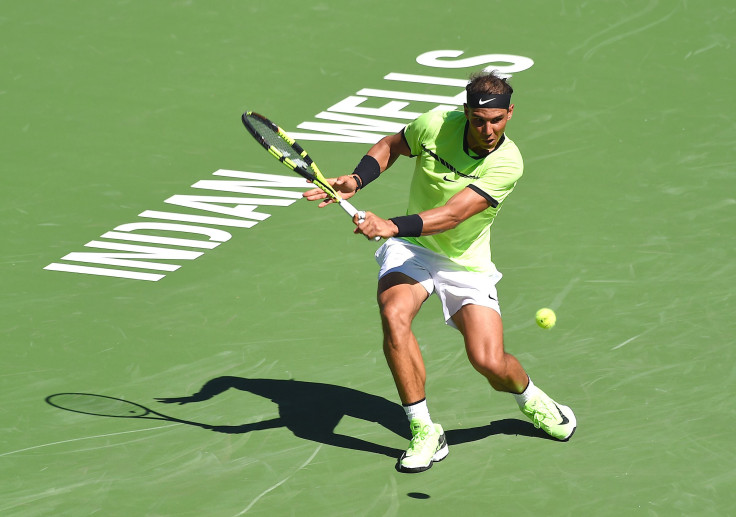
(396, 330)
(395, 317)
(488, 364)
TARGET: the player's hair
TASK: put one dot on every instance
(484, 82)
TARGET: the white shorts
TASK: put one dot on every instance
(454, 285)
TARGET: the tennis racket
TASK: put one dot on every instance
(288, 151)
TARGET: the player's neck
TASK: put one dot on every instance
(480, 152)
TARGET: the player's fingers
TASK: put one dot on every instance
(361, 216)
(359, 231)
(359, 222)
(315, 193)
(364, 228)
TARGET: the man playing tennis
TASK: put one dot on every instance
(465, 168)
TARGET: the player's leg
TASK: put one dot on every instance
(483, 332)
(399, 298)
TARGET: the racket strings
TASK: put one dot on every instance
(287, 151)
(276, 142)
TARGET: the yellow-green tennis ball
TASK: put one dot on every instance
(546, 318)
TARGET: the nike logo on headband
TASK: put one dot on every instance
(482, 100)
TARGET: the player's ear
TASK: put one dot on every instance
(465, 110)
(511, 112)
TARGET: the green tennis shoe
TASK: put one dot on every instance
(428, 445)
(557, 421)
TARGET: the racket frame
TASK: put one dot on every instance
(312, 173)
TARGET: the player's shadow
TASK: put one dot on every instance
(312, 411)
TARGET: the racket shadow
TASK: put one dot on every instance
(310, 410)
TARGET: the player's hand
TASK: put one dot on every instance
(346, 186)
(374, 226)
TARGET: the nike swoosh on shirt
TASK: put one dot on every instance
(448, 179)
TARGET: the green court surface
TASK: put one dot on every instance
(623, 223)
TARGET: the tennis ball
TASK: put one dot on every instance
(546, 318)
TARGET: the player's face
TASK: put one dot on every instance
(486, 126)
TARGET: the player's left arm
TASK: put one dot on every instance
(384, 152)
(463, 205)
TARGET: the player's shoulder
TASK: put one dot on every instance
(435, 119)
(509, 151)
(506, 160)
(508, 146)
(428, 126)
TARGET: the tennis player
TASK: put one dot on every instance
(465, 169)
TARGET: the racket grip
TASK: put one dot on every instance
(361, 218)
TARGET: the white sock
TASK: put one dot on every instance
(530, 392)
(419, 411)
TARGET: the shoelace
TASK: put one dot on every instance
(541, 411)
(420, 437)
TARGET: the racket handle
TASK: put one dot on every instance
(351, 210)
(361, 218)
